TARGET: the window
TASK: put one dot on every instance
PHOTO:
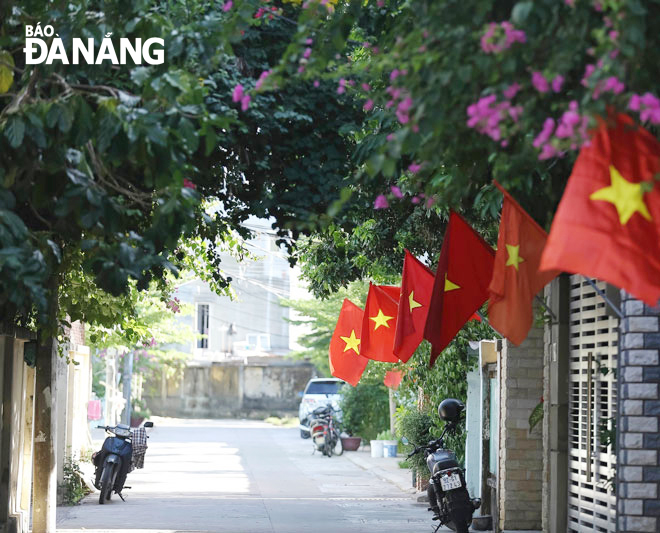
(258, 342)
(203, 325)
(323, 387)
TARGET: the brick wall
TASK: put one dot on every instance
(521, 452)
(638, 473)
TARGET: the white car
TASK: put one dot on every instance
(319, 392)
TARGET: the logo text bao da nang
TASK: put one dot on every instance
(38, 51)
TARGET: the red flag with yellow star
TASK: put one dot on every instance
(464, 270)
(416, 289)
(516, 276)
(392, 379)
(607, 225)
(379, 323)
(345, 360)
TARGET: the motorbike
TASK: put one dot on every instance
(448, 496)
(122, 451)
(324, 432)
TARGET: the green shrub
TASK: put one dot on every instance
(416, 427)
(365, 409)
(73, 486)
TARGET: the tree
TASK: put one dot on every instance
(320, 316)
(461, 93)
(106, 171)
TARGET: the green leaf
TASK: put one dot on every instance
(15, 131)
(521, 11)
(6, 71)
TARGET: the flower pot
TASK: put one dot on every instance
(376, 448)
(351, 444)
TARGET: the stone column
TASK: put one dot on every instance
(520, 471)
(638, 440)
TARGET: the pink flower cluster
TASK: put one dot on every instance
(499, 37)
(648, 106)
(174, 305)
(611, 84)
(570, 133)
(240, 96)
(487, 114)
(187, 184)
(262, 79)
(262, 11)
(403, 102)
(542, 85)
(381, 201)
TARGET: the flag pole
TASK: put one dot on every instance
(604, 297)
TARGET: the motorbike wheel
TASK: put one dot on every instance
(106, 484)
(338, 448)
(460, 511)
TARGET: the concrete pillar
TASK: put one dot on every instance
(638, 439)
(44, 475)
(6, 427)
(555, 408)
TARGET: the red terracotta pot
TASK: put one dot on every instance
(351, 444)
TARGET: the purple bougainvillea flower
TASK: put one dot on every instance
(381, 202)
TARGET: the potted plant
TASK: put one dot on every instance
(364, 409)
(351, 444)
(139, 411)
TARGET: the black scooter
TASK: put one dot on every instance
(448, 496)
(113, 461)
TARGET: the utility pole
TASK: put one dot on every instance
(128, 379)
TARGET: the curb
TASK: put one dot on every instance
(394, 479)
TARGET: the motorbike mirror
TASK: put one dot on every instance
(404, 440)
(148, 424)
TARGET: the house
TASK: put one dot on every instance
(71, 390)
(592, 464)
(239, 364)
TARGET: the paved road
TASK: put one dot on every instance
(242, 476)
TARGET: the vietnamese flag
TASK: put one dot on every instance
(464, 270)
(345, 360)
(393, 379)
(416, 288)
(379, 323)
(516, 276)
(607, 225)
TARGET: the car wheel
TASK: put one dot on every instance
(304, 434)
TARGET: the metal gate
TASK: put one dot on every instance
(592, 408)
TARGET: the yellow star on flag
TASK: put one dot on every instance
(411, 301)
(627, 197)
(450, 285)
(352, 343)
(381, 319)
(514, 258)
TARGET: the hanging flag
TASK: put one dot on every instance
(516, 276)
(607, 225)
(416, 288)
(393, 379)
(464, 270)
(379, 323)
(345, 360)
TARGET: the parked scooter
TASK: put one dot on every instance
(122, 451)
(324, 432)
(448, 496)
